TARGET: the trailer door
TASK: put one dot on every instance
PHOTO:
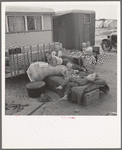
(86, 32)
(86, 27)
(62, 36)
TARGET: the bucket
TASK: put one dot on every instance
(35, 89)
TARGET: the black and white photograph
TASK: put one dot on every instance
(62, 60)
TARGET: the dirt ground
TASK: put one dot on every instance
(15, 90)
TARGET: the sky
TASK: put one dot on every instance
(107, 10)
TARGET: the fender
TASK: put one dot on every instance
(108, 40)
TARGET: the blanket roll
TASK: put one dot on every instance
(37, 73)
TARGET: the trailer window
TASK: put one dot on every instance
(30, 23)
(34, 23)
(19, 27)
(87, 17)
(38, 23)
(16, 24)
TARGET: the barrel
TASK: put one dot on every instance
(35, 89)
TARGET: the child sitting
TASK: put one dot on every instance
(57, 52)
(53, 60)
(69, 72)
(72, 79)
(83, 47)
(89, 62)
(88, 47)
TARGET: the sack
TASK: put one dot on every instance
(36, 73)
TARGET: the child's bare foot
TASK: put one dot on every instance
(59, 87)
(64, 98)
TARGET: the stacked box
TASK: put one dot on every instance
(90, 97)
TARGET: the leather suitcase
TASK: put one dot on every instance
(90, 97)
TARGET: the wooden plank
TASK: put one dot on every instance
(36, 108)
(49, 47)
(37, 52)
(9, 74)
(40, 51)
(24, 59)
(28, 59)
(17, 65)
(14, 65)
(10, 61)
(44, 51)
(31, 53)
(41, 54)
(54, 46)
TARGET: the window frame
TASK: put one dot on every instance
(8, 24)
(26, 24)
(85, 20)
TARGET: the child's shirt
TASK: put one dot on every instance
(56, 53)
(89, 50)
(70, 73)
(84, 50)
(59, 60)
(89, 63)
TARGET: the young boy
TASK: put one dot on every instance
(72, 79)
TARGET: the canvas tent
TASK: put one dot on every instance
(110, 23)
(99, 23)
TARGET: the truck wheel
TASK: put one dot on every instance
(106, 46)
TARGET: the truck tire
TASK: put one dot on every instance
(106, 46)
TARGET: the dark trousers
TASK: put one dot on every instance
(72, 82)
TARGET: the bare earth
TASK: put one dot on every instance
(106, 69)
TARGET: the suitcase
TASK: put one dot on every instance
(90, 97)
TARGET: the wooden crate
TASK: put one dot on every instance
(90, 97)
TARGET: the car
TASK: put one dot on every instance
(110, 42)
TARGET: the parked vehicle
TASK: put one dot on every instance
(110, 42)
